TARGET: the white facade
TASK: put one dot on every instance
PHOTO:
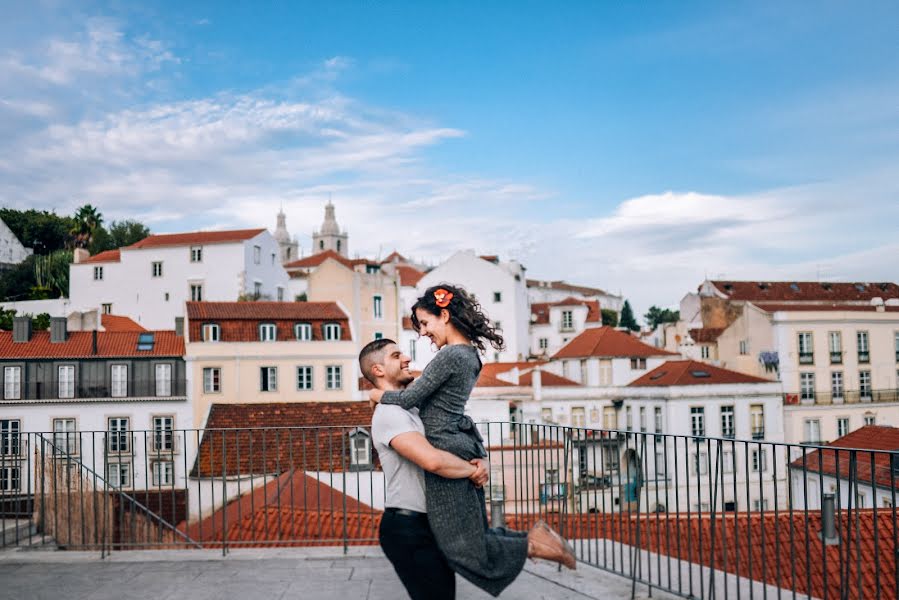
(12, 252)
(554, 291)
(605, 371)
(566, 321)
(59, 307)
(500, 288)
(152, 295)
(807, 488)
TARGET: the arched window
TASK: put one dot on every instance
(321, 244)
(268, 332)
(331, 331)
(211, 332)
(338, 245)
(360, 450)
(303, 331)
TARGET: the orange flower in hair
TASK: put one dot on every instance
(442, 297)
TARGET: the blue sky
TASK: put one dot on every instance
(637, 147)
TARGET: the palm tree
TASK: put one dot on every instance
(87, 220)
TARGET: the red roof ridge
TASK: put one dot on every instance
(120, 323)
(607, 341)
(684, 372)
(105, 256)
(195, 237)
(314, 260)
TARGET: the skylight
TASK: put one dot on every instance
(658, 375)
(145, 341)
(700, 374)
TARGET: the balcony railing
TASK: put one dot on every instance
(836, 358)
(845, 397)
(806, 358)
(52, 391)
(864, 357)
(683, 514)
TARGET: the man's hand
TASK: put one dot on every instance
(482, 474)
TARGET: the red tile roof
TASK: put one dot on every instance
(546, 379)
(78, 344)
(837, 462)
(195, 238)
(107, 256)
(608, 342)
(706, 335)
(691, 372)
(317, 441)
(565, 287)
(409, 276)
(491, 258)
(315, 260)
(806, 291)
(119, 323)
(540, 310)
(820, 306)
(395, 257)
(255, 311)
(490, 372)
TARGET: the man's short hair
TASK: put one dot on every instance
(371, 355)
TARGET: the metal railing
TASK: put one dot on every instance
(698, 517)
(843, 397)
(54, 389)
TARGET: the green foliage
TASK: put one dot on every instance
(86, 222)
(40, 322)
(609, 317)
(655, 316)
(6, 318)
(127, 232)
(40, 230)
(51, 273)
(627, 317)
(300, 297)
(16, 282)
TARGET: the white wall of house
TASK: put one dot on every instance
(803, 421)
(59, 307)
(603, 371)
(808, 487)
(12, 252)
(553, 335)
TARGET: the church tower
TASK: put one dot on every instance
(330, 237)
(290, 249)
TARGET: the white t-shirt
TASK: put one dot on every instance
(405, 480)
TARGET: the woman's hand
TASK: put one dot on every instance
(375, 396)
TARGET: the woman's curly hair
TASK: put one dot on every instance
(465, 314)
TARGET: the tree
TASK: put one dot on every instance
(609, 317)
(655, 316)
(42, 231)
(127, 232)
(51, 275)
(86, 221)
(6, 318)
(16, 283)
(627, 317)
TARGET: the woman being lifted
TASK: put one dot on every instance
(491, 558)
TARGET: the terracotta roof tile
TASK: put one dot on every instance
(821, 306)
(255, 311)
(546, 379)
(119, 323)
(395, 257)
(79, 344)
(409, 276)
(706, 335)
(107, 256)
(806, 291)
(195, 238)
(315, 260)
(540, 310)
(565, 287)
(608, 342)
(691, 372)
(837, 462)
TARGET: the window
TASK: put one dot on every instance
(806, 349)
(807, 386)
(628, 418)
(643, 418)
(661, 467)
(267, 332)
(10, 479)
(543, 343)
(65, 439)
(164, 433)
(303, 332)
(10, 439)
(813, 431)
(268, 379)
(609, 418)
(759, 460)
(727, 421)
(257, 289)
(66, 384)
(497, 325)
(98, 273)
(869, 419)
(163, 472)
(835, 344)
(567, 320)
(273, 259)
(257, 255)
(697, 420)
(333, 377)
(119, 474)
(332, 331)
(280, 294)
(196, 292)
(304, 378)
(546, 415)
(700, 463)
(864, 385)
(196, 254)
(12, 383)
(704, 352)
(119, 379)
(757, 421)
(212, 380)
(157, 269)
(497, 296)
(896, 345)
(658, 419)
(727, 461)
(578, 416)
(378, 307)
(836, 384)
(744, 347)
(605, 372)
(861, 338)
(412, 348)
(164, 379)
(842, 426)
(760, 505)
(360, 449)
(117, 437)
(106, 308)
(211, 332)
(638, 363)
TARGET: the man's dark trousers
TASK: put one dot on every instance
(408, 543)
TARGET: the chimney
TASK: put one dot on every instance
(80, 255)
(537, 383)
(58, 329)
(828, 523)
(179, 326)
(94, 350)
(21, 329)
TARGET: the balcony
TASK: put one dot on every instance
(51, 391)
(758, 433)
(844, 397)
(864, 357)
(806, 358)
(836, 358)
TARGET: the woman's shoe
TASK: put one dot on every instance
(545, 543)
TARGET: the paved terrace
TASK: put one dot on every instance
(307, 573)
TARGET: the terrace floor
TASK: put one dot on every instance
(307, 573)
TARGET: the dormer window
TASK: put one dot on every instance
(331, 332)
(267, 332)
(303, 332)
(360, 450)
(211, 332)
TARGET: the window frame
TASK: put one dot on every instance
(697, 421)
(196, 254)
(98, 273)
(14, 383)
(119, 467)
(196, 292)
(268, 379)
(118, 386)
(155, 473)
(304, 374)
(212, 380)
(268, 332)
(11, 437)
(156, 268)
(304, 327)
(728, 421)
(118, 440)
(67, 392)
(330, 329)
(334, 377)
(377, 306)
(163, 437)
(207, 328)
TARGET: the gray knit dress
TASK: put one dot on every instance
(490, 558)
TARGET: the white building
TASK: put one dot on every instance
(12, 252)
(500, 289)
(554, 324)
(289, 247)
(151, 280)
(556, 291)
(330, 236)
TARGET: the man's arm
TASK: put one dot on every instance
(414, 447)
